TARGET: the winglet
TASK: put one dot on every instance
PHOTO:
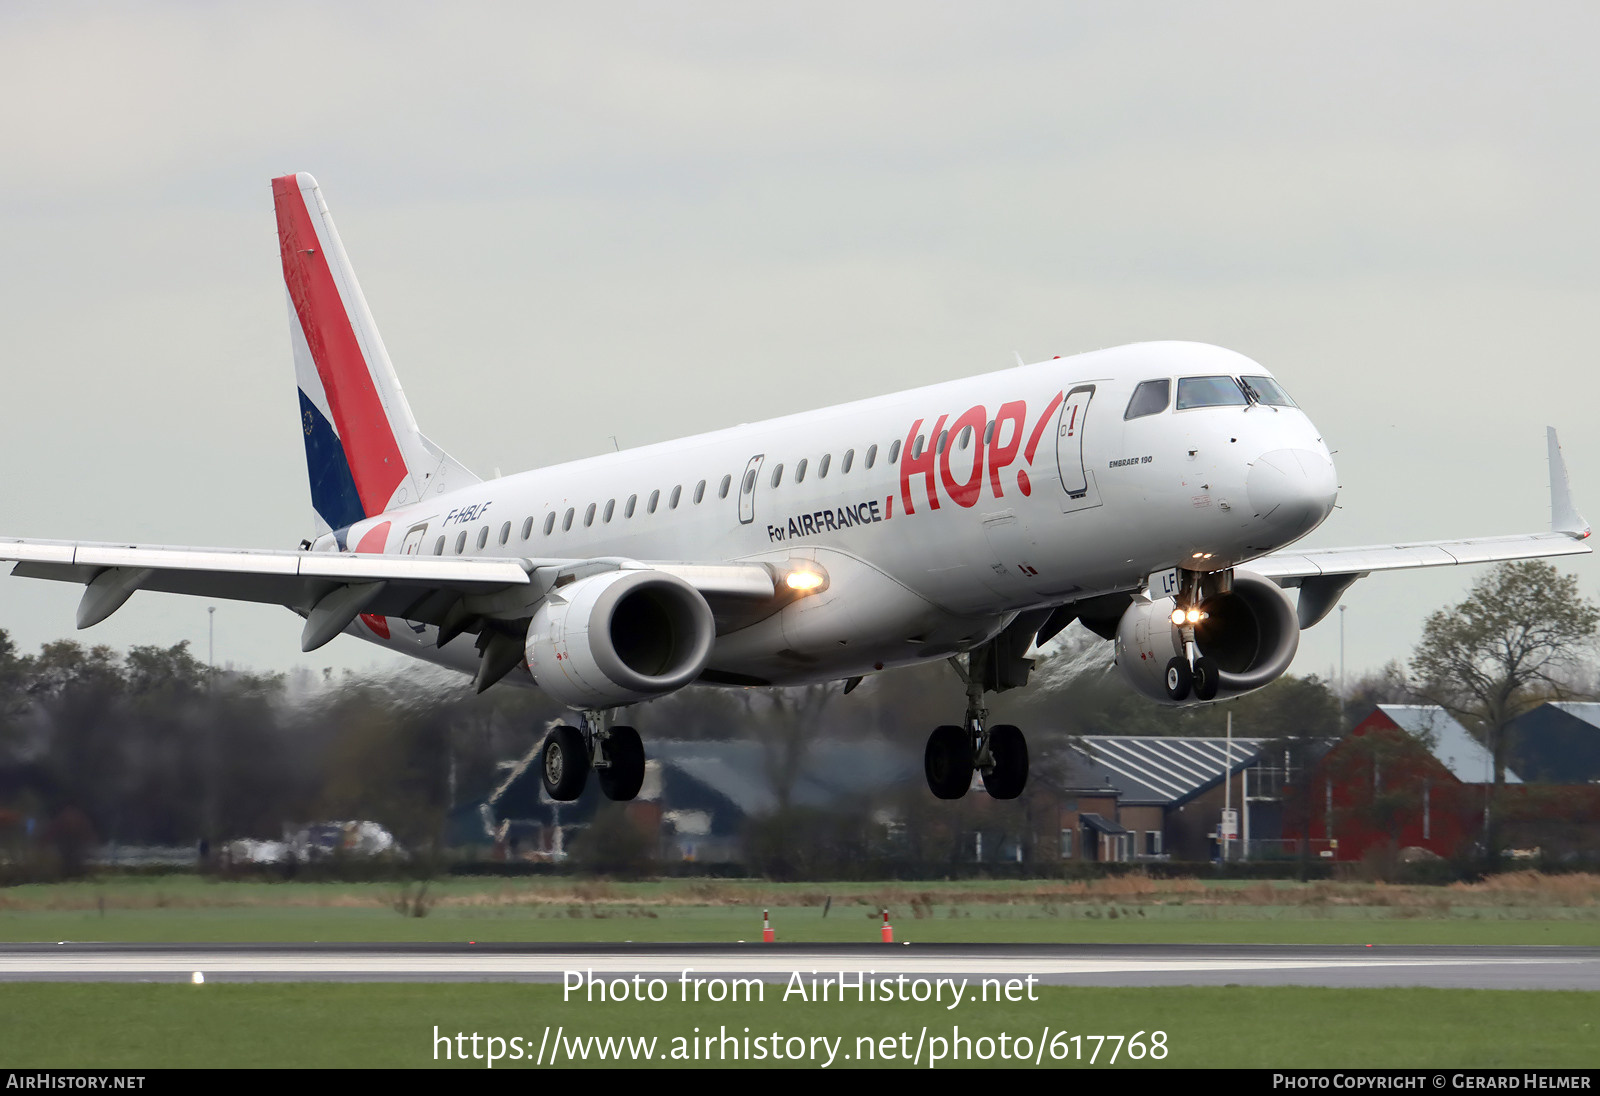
(1564, 517)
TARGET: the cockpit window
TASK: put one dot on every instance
(1268, 391)
(1150, 398)
(1209, 392)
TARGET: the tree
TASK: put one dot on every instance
(13, 687)
(1513, 644)
(1386, 685)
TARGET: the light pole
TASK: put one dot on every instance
(1342, 609)
(210, 822)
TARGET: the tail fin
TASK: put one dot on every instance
(364, 452)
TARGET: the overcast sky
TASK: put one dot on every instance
(646, 220)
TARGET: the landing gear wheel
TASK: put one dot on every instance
(1205, 679)
(947, 762)
(564, 762)
(1179, 679)
(1010, 752)
(622, 778)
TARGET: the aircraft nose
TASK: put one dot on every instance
(1292, 490)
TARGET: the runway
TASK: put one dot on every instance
(1571, 968)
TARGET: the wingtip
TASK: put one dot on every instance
(1564, 517)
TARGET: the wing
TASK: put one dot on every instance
(1323, 574)
(331, 589)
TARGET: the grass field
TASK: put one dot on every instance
(1521, 908)
(306, 1024)
(389, 1025)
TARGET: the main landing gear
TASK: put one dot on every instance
(1000, 752)
(615, 754)
(1192, 672)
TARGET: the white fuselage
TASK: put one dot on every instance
(1041, 493)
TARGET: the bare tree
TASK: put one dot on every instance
(1385, 685)
(789, 720)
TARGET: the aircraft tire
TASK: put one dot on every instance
(1009, 748)
(1180, 679)
(947, 762)
(1205, 679)
(622, 779)
(564, 764)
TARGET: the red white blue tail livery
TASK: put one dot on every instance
(364, 452)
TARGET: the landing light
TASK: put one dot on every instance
(804, 581)
(1187, 616)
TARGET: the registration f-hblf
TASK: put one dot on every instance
(1148, 491)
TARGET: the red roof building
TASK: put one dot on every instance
(1396, 782)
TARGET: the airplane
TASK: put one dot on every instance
(1150, 492)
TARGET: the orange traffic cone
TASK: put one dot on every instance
(767, 935)
(888, 929)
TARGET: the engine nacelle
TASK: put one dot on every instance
(619, 637)
(1251, 633)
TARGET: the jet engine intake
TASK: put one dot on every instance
(1249, 633)
(619, 637)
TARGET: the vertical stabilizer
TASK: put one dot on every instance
(364, 453)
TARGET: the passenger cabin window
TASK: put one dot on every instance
(677, 493)
(483, 537)
(965, 439)
(1209, 392)
(461, 542)
(1150, 398)
(611, 506)
(1268, 391)
(800, 471)
(550, 523)
(777, 475)
(566, 522)
(849, 459)
(438, 547)
(627, 511)
(944, 441)
(527, 528)
(505, 532)
(699, 492)
(988, 432)
(894, 452)
(655, 499)
(588, 516)
(822, 465)
(727, 482)
(750, 481)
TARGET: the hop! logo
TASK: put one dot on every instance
(995, 452)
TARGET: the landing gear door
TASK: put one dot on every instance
(747, 489)
(1077, 482)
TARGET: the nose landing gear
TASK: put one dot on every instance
(615, 754)
(1192, 671)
